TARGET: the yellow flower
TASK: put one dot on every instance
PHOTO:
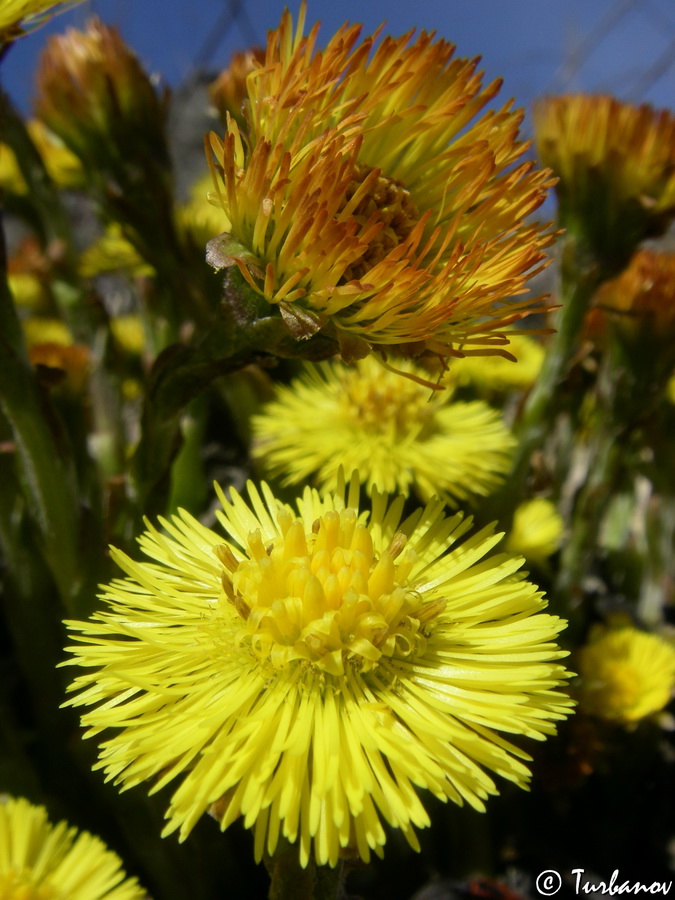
(38, 330)
(129, 333)
(11, 179)
(312, 670)
(626, 674)
(19, 16)
(112, 252)
(616, 165)
(63, 167)
(41, 861)
(199, 218)
(26, 289)
(501, 374)
(398, 433)
(536, 531)
(372, 194)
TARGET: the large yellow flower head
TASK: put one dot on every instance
(626, 674)
(397, 432)
(373, 193)
(312, 670)
(41, 861)
(616, 168)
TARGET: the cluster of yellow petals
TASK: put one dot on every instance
(633, 147)
(327, 597)
(41, 861)
(626, 674)
(364, 194)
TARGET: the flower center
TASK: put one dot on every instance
(379, 401)
(384, 200)
(326, 597)
(618, 688)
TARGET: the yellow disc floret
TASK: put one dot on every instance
(327, 597)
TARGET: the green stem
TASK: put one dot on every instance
(580, 278)
(290, 881)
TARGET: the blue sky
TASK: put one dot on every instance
(626, 47)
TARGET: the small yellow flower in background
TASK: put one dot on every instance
(128, 332)
(26, 289)
(401, 435)
(112, 252)
(373, 194)
(616, 165)
(38, 330)
(41, 861)
(501, 374)
(11, 179)
(63, 167)
(536, 531)
(626, 674)
(20, 16)
(311, 670)
(199, 218)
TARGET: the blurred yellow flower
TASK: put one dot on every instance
(313, 669)
(62, 166)
(536, 531)
(38, 330)
(616, 165)
(129, 333)
(26, 289)
(398, 433)
(626, 674)
(11, 179)
(112, 252)
(372, 194)
(199, 218)
(41, 861)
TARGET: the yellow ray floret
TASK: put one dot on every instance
(371, 189)
(313, 669)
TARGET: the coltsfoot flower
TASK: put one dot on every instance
(315, 668)
(626, 674)
(40, 861)
(616, 168)
(371, 193)
(536, 531)
(397, 432)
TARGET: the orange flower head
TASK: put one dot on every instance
(616, 169)
(373, 194)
